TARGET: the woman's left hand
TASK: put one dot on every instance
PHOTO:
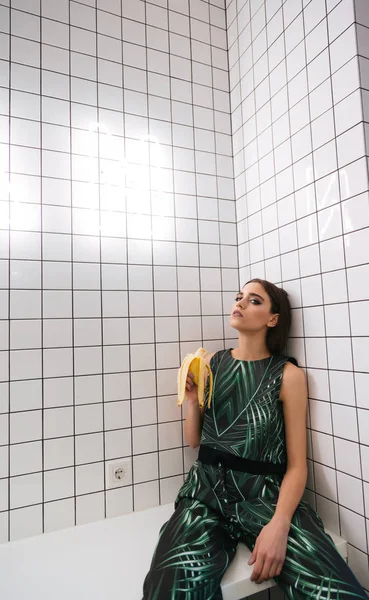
(270, 550)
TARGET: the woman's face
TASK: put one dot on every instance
(254, 304)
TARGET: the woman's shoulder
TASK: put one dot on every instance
(214, 356)
(286, 359)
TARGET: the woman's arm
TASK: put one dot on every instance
(195, 415)
(269, 552)
(293, 394)
(193, 423)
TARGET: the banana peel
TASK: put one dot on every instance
(197, 364)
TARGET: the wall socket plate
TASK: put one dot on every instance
(118, 473)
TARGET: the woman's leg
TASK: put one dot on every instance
(191, 556)
(313, 567)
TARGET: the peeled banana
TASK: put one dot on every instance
(197, 364)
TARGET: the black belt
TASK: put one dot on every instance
(211, 456)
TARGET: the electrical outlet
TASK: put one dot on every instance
(119, 473)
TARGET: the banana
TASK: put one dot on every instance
(197, 364)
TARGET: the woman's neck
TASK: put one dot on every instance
(249, 349)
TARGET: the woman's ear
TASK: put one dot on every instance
(273, 320)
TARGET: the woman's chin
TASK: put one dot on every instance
(234, 323)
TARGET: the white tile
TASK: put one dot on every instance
(171, 462)
(322, 129)
(355, 247)
(118, 443)
(117, 414)
(25, 490)
(316, 41)
(361, 381)
(342, 387)
(87, 360)
(348, 112)
(25, 458)
(119, 501)
(325, 159)
(58, 422)
(318, 70)
(58, 392)
(59, 453)
(4, 460)
(145, 439)
(328, 511)
(57, 10)
(343, 48)
(360, 348)
(347, 457)
(346, 80)
(309, 260)
(355, 213)
(320, 99)
(57, 275)
(145, 467)
(87, 332)
(325, 481)
(25, 522)
(146, 495)
(339, 353)
(170, 435)
(350, 493)
(337, 320)
(364, 451)
(25, 52)
(89, 448)
(88, 389)
(169, 488)
(332, 254)
(313, 322)
(323, 451)
(58, 484)
(341, 17)
(363, 418)
(55, 111)
(89, 508)
(89, 478)
(55, 34)
(357, 312)
(362, 42)
(345, 422)
(354, 178)
(25, 364)
(353, 528)
(25, 334)
(350, 145)
(58, 515)
(320, 416)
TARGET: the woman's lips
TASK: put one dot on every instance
(236, 314)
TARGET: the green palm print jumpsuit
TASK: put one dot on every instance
(217, 507)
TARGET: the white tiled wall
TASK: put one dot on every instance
(299, 81)
(118, 248)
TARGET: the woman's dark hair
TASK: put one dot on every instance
(277, 336)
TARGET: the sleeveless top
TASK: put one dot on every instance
(245, 417)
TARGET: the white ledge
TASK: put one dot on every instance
(105, 559)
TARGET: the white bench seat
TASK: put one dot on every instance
(105, 560)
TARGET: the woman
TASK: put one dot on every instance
(251, 471)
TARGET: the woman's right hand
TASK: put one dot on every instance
(191, 389)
